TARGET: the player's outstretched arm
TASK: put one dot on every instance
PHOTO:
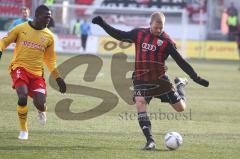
(201, 81)
(115, 33)
(185, 66)
(97, 20)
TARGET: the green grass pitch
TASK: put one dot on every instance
(211, 131)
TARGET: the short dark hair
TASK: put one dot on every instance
(25, 8)
(40, 9)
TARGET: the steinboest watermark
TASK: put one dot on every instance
(158, 115)
(120, 67)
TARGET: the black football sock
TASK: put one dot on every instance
(181, 92)
(145, 125)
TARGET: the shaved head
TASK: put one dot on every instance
(159, 17)
(157, 23)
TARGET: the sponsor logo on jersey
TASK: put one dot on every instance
(25, 33)
(146, 46)
(33, 45)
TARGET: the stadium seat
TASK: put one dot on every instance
(85, 2)
(80, 11)
(12, 8)
(143, 3)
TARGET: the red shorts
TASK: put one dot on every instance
(33, 82)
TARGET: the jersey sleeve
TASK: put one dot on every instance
(181, 62)
(128, 36)
(9, 38)
(50, 59)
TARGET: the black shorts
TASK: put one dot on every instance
(164, 91)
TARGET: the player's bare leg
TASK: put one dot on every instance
(39, 100)
(179, 106)
(22, 110)
(144, 122)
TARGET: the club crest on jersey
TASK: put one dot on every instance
(43, 39)
(25, 33)
(159, 42)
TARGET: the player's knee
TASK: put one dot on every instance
(140, 101)
(180, 106)
(22, 101)
(141, 104)
(180, 109)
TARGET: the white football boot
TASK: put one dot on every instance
(23, 135)
(42, 116)
(179, 81)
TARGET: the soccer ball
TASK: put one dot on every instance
(173, 140)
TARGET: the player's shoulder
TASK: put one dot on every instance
(166, 37)
(141, 30)
(144, 30)
(49, 32)
(21, 26)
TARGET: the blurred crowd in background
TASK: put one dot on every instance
(220, 17)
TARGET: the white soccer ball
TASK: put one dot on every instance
(173, 140)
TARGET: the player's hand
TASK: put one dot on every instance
(0, 55)
(97, 20)
(201, 81)
(61, 85)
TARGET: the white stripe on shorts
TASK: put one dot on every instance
(43, 91)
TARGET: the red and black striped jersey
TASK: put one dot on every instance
(150, 55)
(150, 52)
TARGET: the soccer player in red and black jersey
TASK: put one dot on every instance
(152, 47)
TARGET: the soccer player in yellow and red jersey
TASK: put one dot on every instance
(34, 47)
